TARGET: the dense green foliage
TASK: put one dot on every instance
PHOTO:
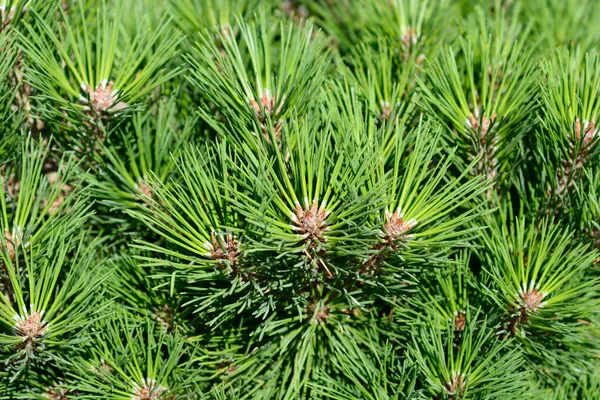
(299, 199)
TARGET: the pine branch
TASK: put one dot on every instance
(476, 364)
(103, 78)
(483, 93)
(257, 81)
(540, 281)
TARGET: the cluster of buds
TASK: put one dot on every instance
(394, 232)
(227, 366)
(149, 390)
(486, 145)
(460, 320)
(226, 32)
(309, 222)
(226, 249)
(456, 386)
(103, 100)
(143, 190)
(165, 315)
(103, 369)
(31, 328)
(100, 104)
(530, 301)
(265, 108)
(396, 227)
(57, 392)
(579, 152)
(317, 313)
(589, 133)
(409, 38)
(386, 110)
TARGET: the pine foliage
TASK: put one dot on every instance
(299, 199)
